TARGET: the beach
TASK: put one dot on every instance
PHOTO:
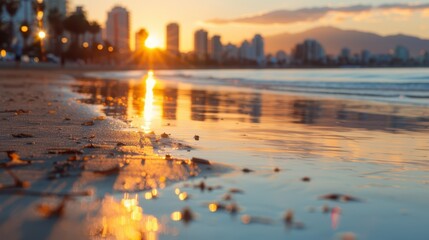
(212, 154)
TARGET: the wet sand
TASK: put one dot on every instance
(284, 166)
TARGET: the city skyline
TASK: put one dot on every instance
(378, 18)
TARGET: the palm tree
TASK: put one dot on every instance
(76, 24)
(12, 7)
(94, 29)
(55, 21)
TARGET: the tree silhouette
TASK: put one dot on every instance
(94, 29)
(12, 7)
(55, 21)
(76, 24)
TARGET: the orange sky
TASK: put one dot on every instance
(192, 14)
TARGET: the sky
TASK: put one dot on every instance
(237, 20)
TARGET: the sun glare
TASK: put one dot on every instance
(152, 42)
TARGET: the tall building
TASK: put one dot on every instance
(201, 45)
(231, 52)
(173, 38)
(401, 53)
(258, 48)
(61, 5)
(118, 28)
(141, 37)
(246, 51)
(310, 51)
(216, 48)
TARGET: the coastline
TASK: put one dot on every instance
(276, 153)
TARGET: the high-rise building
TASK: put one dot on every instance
(61, 5)
(216, 48)
(310, 51)
(231, 52)
(173, 38)
(258, 48)
(141, 37)
(246, 51)
(401, 53)
(201, 45)
(118, 28)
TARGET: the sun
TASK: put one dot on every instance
(152, 42)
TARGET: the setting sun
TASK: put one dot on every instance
(152, 42)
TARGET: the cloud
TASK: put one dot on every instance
(314, 14)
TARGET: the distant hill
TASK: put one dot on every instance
(334, 39)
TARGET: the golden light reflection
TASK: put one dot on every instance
(149, 103)
(177, 191)
(176, 216)
(125, 220)
(183, 196)
(152, 42)
(213, 207)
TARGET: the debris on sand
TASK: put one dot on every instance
(306, 179)
(197, 138)
(276, 169)
(340, 197)
(22, 135)
(14, 160)
(64, 151)
(52, 212)
(18, 183)
(200, 161)
(112, 171)
(165, 135)
(236, 191)
(16, 112)
(88, 123)
(247, 170)
(186, 215)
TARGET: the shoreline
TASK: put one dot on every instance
(88, 68)
(275, 155)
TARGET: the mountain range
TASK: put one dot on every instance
(334, 39)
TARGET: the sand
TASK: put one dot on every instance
(61, 151)
(282, 166)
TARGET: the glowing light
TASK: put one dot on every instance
(213, 207)
(110, 49)
(24, 29)
(152, 42)
(183, 196)
(129, 203)
(152, 224)
(39, 15)
(177, 191)
(125, 220)
(64, 40)
(42, 35)
(85, 45)
(3, 53)
(148, 103)
(100, 47)
(176, 216)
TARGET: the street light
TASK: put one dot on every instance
(42, 35)
(100, 47)
(85, 45)
(64, 40)
(24, 29)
